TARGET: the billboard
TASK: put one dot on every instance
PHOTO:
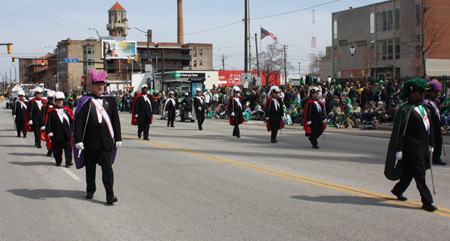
(112, 49)
(228, 78)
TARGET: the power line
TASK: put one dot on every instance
(303, 9)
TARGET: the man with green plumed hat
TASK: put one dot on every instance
(411, 143)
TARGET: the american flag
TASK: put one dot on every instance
(265, 33)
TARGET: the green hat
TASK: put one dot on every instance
(412, 85)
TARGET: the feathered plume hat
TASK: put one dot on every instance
(97, 77)
(412, 85)
(435, 86)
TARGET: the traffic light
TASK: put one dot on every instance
(13, 61)
(42, 61)
(136, 57)
(9, 49)
(129, 59)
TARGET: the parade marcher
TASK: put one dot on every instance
(45, 108)
(274, 113)
(187, 105)
(20, 113)
(58, 126)
(236, 111)
(198, 108)
(170, 108)
(97, 135)
(33, 123)
(314, 123)
(411, 143)
(433, 101)
(142, 112)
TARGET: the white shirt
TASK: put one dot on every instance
(99, 115)
(39, 103)
(62, 115)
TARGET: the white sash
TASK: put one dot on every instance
(319, 108)
(39, 104)
(22, 104)
(200, 98)
(436, 109)
(148, 101)
(105, 116)
(275, 102)
(62, 115)
(426, 120)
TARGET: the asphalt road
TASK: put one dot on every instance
(186, 184)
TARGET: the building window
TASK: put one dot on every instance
(200, 53)
(389, 20)
(397, 18)
(195, 53)
(372, 23)
(418, 13)
(200, 63)
(89, 51)
(195, 63)
(379, 22)
(335, 29)
(384, 21)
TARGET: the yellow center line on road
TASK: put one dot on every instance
(351, 190)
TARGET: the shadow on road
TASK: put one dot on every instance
(9, 130)
(32, 163)
(364, 201)
(43, 194)
(29, 146)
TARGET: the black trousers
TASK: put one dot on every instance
(37, 135)
(437, 147)
(274, 126)
(170, 118)
(144, 125)
(316, 132)
(236, 131)
(20, 127)
(91, 158)
(58, 146)
(200, 118)
(414, 167)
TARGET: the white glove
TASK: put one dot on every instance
(30, 122)
(50, 134)
(136, 116)
(232, 113)
(118, 143)
(199, 108)
(431, 149)
(243, 113)
(324, 121)
(42, 128)
(79, 145)
(308, 123)
(399, 155)
(14, 116)
(267, 118)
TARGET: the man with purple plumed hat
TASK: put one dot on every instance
(432, 99)
(97, 135)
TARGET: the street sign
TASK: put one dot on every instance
(67, 60)
(148, 68)
(148, 75)
(245, 77)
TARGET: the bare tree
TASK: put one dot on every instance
(421, 31)
(271, 62)
(365, 59)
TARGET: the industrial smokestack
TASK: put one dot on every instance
(180, 22)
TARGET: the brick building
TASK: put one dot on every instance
(384, 40)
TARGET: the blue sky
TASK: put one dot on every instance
(31, 25)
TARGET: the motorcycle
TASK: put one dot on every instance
(185, 114)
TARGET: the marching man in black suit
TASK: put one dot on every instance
(58, 125)
(33, 115)
(20, 113)
(170, 107)
(236, 111)
(97, 135)
(143, 112)
(45, 108)
(314, 117)
(274, 113)
(199, 109)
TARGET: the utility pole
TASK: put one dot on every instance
(245, 38)
(223, 61)
(285, 68)
(249, 39)
(299, 68)
(257, 57)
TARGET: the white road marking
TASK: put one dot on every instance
(71, 174)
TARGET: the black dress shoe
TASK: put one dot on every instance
(440, 162)
(273, 141)
(69, 164)
(238, 136)
(276, 141)
(172, 126)
(146, 139)
(25, 136)
(89, 196)
(429, 207)
(139, 135)
(39, 146)
(111, 200)
(315, 147)
(58, 164)
(400, 197)
(49, 153)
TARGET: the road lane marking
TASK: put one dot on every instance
(71, 174)
(351, 190)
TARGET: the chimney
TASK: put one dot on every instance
(180, 22)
